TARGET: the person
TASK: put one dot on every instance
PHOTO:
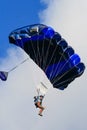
(38, 103)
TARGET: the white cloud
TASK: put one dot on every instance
(65, 110)
(69, 18)
(17, 110)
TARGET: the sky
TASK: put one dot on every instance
(17, 14)
(65, 110)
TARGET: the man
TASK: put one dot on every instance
(38, 103)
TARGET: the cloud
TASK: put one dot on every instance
(17, 110)
(69, 18)
(15, 98)
(65, 110)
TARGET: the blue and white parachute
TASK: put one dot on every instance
(50, 52)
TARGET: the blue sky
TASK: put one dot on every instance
(14, 14)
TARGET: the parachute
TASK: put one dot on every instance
(50, 52)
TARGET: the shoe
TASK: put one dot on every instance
(40, 114)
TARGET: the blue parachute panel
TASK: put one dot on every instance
(62, 66)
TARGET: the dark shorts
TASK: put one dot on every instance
(36, 105)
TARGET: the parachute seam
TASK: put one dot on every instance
(64, 73)
(53, 72)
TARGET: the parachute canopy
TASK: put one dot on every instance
(50, 52)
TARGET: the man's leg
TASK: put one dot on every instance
(41, 109)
